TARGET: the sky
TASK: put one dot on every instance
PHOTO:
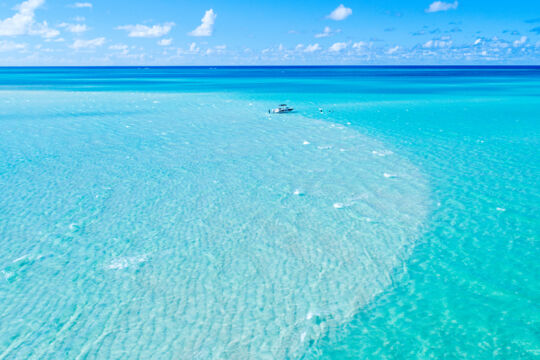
(278, 32)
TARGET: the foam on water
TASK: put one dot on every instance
(124, 262)
(172, 229)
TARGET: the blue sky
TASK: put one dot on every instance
(242, 32)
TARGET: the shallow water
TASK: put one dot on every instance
(164, 213)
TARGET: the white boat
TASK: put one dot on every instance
(283, 108)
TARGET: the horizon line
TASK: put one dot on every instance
(269, 66)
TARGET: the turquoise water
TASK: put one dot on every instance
(163, 213)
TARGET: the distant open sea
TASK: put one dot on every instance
(163, 213)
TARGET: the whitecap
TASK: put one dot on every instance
(29, 258)
(75, 226)
(7, 274)
(382, 153)
(20, 258)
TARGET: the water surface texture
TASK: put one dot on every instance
(163, 213)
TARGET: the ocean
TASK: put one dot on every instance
(164, 213)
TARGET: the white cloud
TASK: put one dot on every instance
(501, 44)
(520, 42)
(44, 30)
(207, 24)
(193, 48)
(10, 46)
(312, 48)
(147, 31)
(337, 47)
(219, 49)
(437, 44)
(118, 47)
(165, 42)
(340, 13)
(88, 44)
(74, 28)
(326, 32)
(23, 22)
(393, 50)
(478, 41)
(359, 45)
(82, 5)
(441, 6)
